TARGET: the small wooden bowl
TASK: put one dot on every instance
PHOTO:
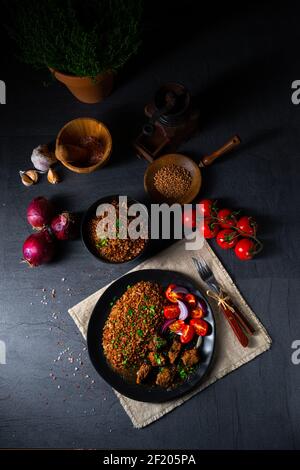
(73, 131)
(177, 160)
(183, 161)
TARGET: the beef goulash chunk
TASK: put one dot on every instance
(191, 357)
(143, 373)
(174, 351)
(165, 377)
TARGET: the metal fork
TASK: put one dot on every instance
(236, 320)
(206, 273)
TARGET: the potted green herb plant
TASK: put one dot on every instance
(82, 43)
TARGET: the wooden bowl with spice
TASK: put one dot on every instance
(83, 145)
(169, 179)
(176, 178)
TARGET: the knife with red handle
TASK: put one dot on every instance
(233, 322)
(239, 324)
(243, 321)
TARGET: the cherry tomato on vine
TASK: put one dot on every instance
(171, 311)
(209, 228)
(188, 333)
(247, 225)
(226, 218)
(189, 218)
(200, 326)
(245, 249)
(207, 207)
(227, 238)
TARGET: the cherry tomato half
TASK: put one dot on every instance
(177, 326)
(245, 249)
(247, 225)
(226, 218)
(191, 300)
(197, 312)
(227, 238)
(188, 333)
(171, 311)
(200, 326)
(207, 207)
(173, 296)
(209, 228)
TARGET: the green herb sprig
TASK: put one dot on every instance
(78, 38)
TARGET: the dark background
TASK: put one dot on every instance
(240, 62)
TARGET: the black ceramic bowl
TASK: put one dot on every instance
(91, 212)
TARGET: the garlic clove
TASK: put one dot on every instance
(33, 174)
(26, 180)
(52, 176)
(29, 177)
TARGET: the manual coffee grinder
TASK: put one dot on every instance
(172, 119)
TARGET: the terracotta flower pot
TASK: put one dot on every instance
(86, 89)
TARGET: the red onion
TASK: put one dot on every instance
(184, 313)
(166, 324)
(38, 248)
(65, 226)
(180, 290)
(40, 212)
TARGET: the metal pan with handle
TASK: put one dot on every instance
(190, 165)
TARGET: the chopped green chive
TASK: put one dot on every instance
(102, 242)
(157, 359)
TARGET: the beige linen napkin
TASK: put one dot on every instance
(229, 354)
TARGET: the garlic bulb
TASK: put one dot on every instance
(53, 177)
(29, 177)
(42, 158)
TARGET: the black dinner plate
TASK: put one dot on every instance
(144, 392)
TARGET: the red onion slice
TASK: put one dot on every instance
(180, 290)
(202, 304)
(167, 324)
(184, 313)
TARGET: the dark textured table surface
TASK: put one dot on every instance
(241, 65)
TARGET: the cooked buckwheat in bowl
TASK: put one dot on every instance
(111, 242)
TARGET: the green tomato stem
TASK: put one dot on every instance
(258, 243)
